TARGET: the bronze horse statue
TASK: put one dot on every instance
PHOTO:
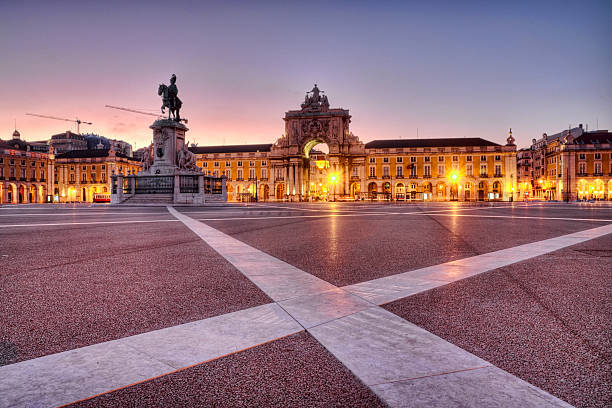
(173, 103)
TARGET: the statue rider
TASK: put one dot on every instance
(173, 96)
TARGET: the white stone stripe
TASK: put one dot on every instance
(390, 355)
(77, 374)
(54, 224)
(395, 287)
(382, 349)
(276, 278)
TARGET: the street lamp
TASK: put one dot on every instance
(333, 179)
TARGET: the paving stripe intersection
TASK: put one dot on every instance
(387, 353)
(401, 362)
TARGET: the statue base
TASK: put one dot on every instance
(171, 177)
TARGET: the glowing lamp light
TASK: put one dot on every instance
(333, 178)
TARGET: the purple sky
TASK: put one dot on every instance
(450, 69)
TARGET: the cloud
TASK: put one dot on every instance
(121, 127)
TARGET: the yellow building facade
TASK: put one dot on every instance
(85, 175)
(462, 169)
(24, 172)
(571, 165)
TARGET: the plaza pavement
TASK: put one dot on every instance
(278, 304)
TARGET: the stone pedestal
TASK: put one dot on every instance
(168, 139)
(169, 180)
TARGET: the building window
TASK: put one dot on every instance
(240, 164)
(103, 167)
(582, 156)
(483, 158)
(455, 158)
(215, 173)
(33, 164)
(23, 162)
(385, 160)
(252, 163)
(582, 168)
(228, 174)
(228, 164)
(205, 164)
(468, 170)
(23, 173)
(93, 177)
(413, 171)
(597, 156)
(72, 177)
(413, 159)
(104, 177)
(216, 164)
(497, 157)
(372, 171)
(251, 174)
(440, 170)
(498, 170)
(399, 159)
(264, 163)
(399, 171)
(427, 171)
(385, 171)
(239, 175)
(427, 159)
(598, 168)
(440, 158)
(483, 170)
(264, 173)
(372, 159)
(84, 178)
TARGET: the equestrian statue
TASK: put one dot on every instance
(170, 100)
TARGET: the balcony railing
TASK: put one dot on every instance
(239, 179)
(354, 177)
(426, 175)
(371, 177)
(386, 177)
(498, 175)
(23, 179)
(263, 179)
(597, 174)
(582, 174)
(413, 176)
(484, 175)
(252, 178)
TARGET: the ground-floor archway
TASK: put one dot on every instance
(400, 192)
(468, 191)
(427, 191)
(264, 192)
(372, 190)
(355, 189)
(280, 191)
(482, 190)
(440, 190)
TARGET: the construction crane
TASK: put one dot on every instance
(77, 120)
(133, 110)
(137, 111)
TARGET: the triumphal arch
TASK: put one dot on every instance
(290, 157)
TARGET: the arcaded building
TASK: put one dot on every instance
(461, 169)
(24, 171)
(574, 164)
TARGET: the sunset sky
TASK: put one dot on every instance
(450, 69)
